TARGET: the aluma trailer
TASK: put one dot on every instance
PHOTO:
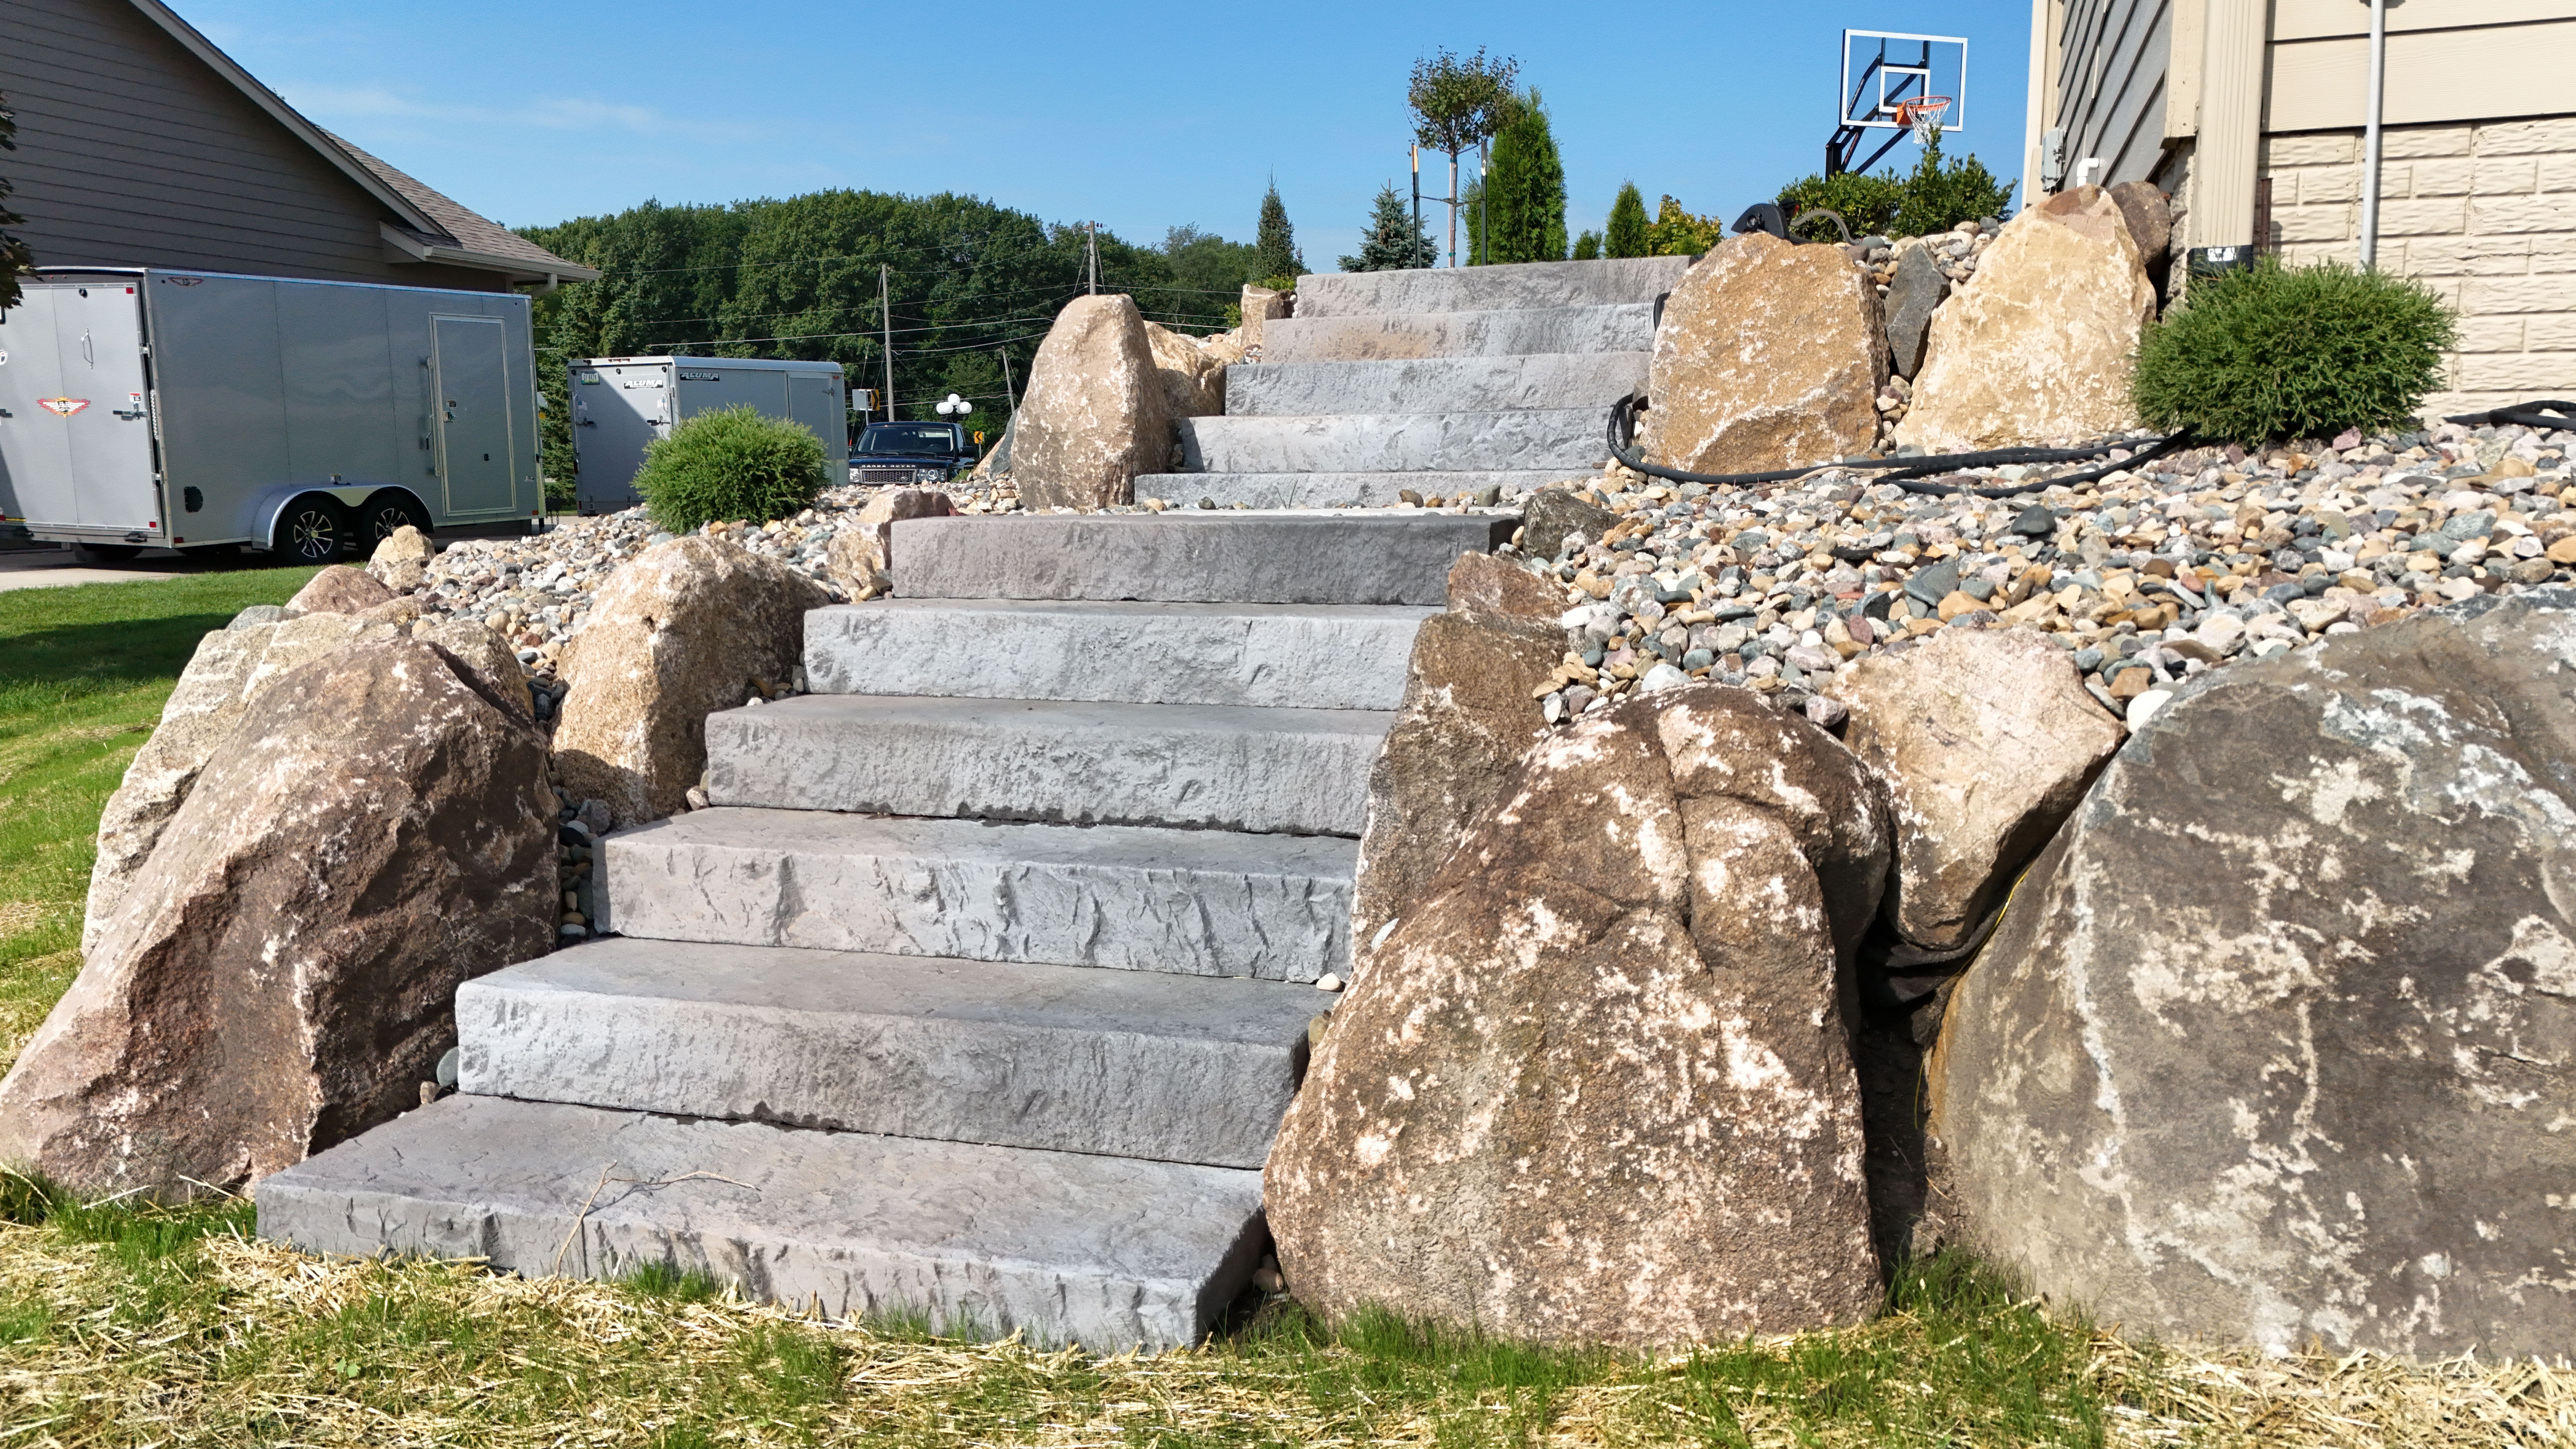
(623, 405)
(140, 406)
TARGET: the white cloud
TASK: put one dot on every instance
(335, 104)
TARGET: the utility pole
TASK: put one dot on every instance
(1413, 244)
(1008, 391)
(885, 308)
(1091, 250)
(1453, 208)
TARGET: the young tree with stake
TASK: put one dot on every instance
(1458, 104)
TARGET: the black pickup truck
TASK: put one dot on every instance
(910, 453)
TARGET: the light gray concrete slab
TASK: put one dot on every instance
(1433, 385)
(1340, 490)
(1107, 1252)
(1621, 327)
(1298, 656)
(1461, 289)
(1066, 1058)
(1127, 897)
(1303, 771)
(1191, 557)
(1571, 438)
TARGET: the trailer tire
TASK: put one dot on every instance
(107, 552)
(311, 529)
(386, 510)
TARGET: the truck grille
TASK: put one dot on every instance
(896, 473)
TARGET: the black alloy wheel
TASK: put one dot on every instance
(312, 530)
(386, 511)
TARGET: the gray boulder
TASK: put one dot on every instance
(1557, 511)
(1919, 288)
(2277, 1040)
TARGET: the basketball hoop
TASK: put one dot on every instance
(1922, 115)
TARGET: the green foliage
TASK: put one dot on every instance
(730, 464)
(1275, 244)
(1677, 233)
(1525, 188)
(1627, 234)
(14, 256)
(1867, 203)
(1393, 240)
(1587, 247)
(1459, 103)
(1939, 197)
(1206, 267)
(2273, 353)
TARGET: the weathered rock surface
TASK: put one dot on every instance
(338, 589)
(401, 561)
(1193, 378)
(2277, 1041)
(1467, 717)
(1261, 304)
(1094, 415)
(1918, 290)
(687, 628)
(488, 655)
(1769, 356)
(278, 977)
(2039, 347)
(1986, 740)
(1596, 1085)
(861, 556)
(1484, 583)
(2149, 217)
(1555, 511)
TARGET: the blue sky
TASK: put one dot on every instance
(1141, 117)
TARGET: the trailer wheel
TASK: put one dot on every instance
(386, 511)
(106, 552)
(313, 529)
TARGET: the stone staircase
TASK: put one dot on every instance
(1442, 381)
(980, 993)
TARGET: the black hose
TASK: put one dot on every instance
(1906, 473)
(2548, 415)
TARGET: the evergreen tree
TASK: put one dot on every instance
(1276, 242)
(1587, 247)
(1626, 236)
(1526, 187)
(1384, 247)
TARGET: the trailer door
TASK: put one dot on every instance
(470, 360)
(814, 399)
(35, 437)
(98, 331)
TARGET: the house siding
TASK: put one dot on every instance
(131, 152)
(2111, 90)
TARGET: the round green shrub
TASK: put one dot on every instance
(2272, 353)
(731, 464)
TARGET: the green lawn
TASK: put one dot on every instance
(127, 1324)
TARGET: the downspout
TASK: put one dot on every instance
(2370, 135)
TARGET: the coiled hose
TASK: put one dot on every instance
(1911, 474)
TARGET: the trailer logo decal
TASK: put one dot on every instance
(63, 405)
(701, 377)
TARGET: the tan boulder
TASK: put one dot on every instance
(1986, 740)
(1484, 583)
(401, 561)
(683, 629)
(338, 589)
(1596, 1085)
(1094, 415)
(1262, 304)
(1224, 348)
(861, 556)
(1192, 377)
(280, 976)
(1770, 355)
(488, 655)
(2039, 348)
(1469, 712)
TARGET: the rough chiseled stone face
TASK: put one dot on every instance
(2039, 347)
(338, 589)
(2277, 1041)
(1192, 375)
(1770, 355)
(861, 557)
(1596, 1085)
(1986, 740)
(684, 629)
(279, 975)
(1094, 416)
(1484, 583)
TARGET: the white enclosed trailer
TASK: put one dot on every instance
(146, 406)
(621, 404)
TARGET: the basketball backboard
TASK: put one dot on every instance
(1885, 69)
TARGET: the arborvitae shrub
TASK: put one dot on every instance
(2272, 353)
(730, 464)
(1587, 247)
(1626, 234)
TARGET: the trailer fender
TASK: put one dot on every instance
(259, 517)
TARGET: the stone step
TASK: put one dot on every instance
(1440, 384)
(1107, 1252)
(1298, 656)
(1620, 327)
(1301, 771)
(1338, 490)
(1464, 289)
(1064, 1058)
(1536, 438)
(1191, 557)
(1133, 898)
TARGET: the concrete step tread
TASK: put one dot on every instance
(1515, 439)
(1518, 285)
(1192, 556)
(1127, 897)
(1312, 656)
(1066, 1058)
(1301, 771)
(1513, 382)
(1499, 332)
(1103, 1251)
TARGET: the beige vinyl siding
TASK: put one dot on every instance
(2484, 72)
(2111, 89)
(131, 152)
